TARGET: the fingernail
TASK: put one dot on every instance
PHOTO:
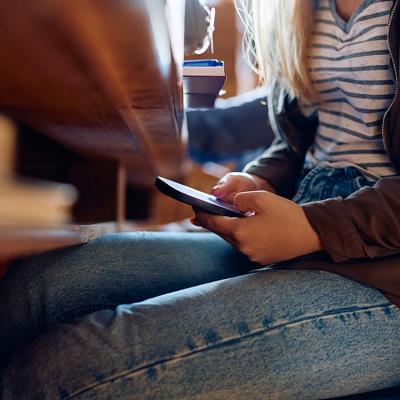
(194, 221)
(217, 191)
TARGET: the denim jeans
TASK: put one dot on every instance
(184, 316)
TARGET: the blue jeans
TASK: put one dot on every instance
(184, 316)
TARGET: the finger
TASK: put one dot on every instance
(223, 187)
(194, 221)
(216, 223)
(251, 201)
(218, 191)
(227, 238)
(228, 197)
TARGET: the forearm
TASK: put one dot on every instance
(223, 133)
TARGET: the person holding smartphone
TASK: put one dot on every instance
(194, 316)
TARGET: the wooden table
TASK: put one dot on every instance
(98, 76)
(101, 78)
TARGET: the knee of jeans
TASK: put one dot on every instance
(20, 304)
(21, 285)
(30, 283)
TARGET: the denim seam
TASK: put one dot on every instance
(233, 339)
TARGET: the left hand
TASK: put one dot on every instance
(279, 230)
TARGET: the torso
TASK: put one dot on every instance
(350, 66)
(345, 8)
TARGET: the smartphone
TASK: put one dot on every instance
(196, 198)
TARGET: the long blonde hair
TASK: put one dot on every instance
(276, 44)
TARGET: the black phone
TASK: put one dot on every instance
(196, 198)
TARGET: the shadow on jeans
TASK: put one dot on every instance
(386, 394)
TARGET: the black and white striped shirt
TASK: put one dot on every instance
(350, 67)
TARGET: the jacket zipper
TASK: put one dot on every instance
(396, 77)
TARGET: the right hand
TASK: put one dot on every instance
(235, 182)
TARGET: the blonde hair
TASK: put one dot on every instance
(276, 44)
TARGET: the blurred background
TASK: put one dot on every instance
(66, 69)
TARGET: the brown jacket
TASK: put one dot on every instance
(361, 234)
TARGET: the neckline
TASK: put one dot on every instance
(341, 22)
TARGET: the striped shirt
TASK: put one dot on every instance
(350, 67)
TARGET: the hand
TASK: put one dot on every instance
(279, 229)
(236, 182)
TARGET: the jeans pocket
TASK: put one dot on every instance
(360, 182)
(303, 190)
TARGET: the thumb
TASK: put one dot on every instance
(250, 201)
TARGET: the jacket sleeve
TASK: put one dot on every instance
(223, 132)
(364, 225)
(283, 161)
(278, 165)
